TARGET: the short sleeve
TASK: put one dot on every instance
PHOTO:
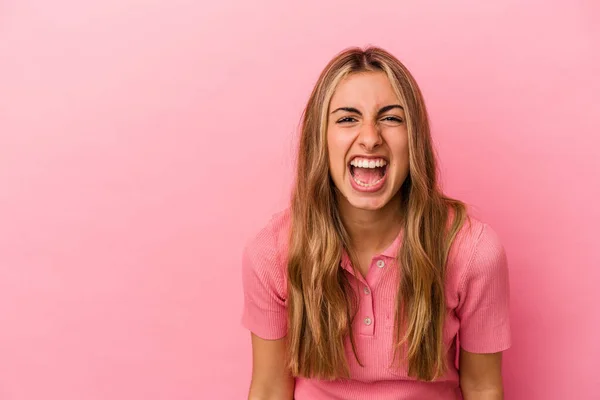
(264, 312)
(483, 309)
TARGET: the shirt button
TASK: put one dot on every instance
(368, 321)
(380, 263)
(367, 291)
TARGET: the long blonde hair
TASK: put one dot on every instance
(321, 303)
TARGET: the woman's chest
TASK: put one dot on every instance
(374, 328)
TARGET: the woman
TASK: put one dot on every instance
(373, 284)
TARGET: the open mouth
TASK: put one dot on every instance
(368, 172)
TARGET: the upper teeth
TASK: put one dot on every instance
(371, 163)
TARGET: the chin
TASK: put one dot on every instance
(368, 204)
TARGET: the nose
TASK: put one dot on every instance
(370, 136)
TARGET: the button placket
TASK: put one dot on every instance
(367, 318)
(365, 324)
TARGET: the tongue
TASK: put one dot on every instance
(368, 175)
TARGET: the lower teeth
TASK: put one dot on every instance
(367, 184)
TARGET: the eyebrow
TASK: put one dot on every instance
(381, 111)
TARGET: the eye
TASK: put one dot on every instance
(393, 119)
(346, 119)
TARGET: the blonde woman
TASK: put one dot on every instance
(373, 284)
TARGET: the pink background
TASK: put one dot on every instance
(142, 142)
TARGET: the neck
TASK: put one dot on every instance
(371, 231)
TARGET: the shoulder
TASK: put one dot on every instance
(265, 253)
(476, 235)
(481, 289)
(272, 238)
(476, 250)
(264, 278)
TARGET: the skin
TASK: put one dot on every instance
(481, 376)
(270, 377)
(367, 119)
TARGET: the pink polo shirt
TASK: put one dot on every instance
(477, 296)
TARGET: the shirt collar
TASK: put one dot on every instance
(390, 252)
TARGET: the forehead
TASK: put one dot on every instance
(367, 89)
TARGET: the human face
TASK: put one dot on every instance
(367, 140)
